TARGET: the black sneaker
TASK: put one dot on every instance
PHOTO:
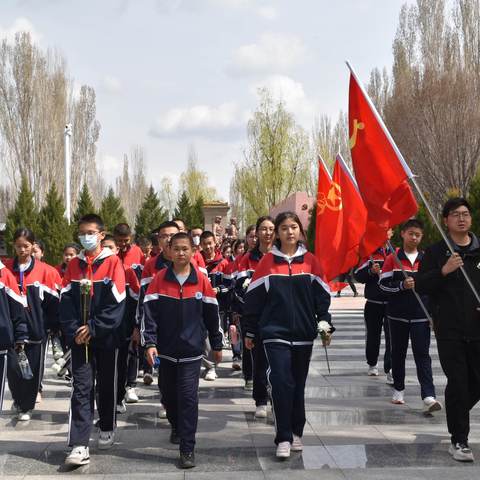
(187, 459)
(461, 452)
(174, 437)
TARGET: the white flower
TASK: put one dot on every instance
(246, 283)
(84, 282)
(324, 327)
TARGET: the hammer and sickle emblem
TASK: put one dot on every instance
(356, 127)
(332, 201)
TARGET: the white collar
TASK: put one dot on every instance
(105, 252)
(301, 250)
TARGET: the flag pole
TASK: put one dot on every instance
(322, 161)
(412, 178)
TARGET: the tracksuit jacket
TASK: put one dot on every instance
(286, 299)
(373, 292)
(107, 299)
(402, 304)
(133, 258)
(13, 324)
(39, 285)
(245, 269)
(177, 318)
(453, 305)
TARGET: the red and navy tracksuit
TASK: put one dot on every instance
(133, 258)
(407, 320)
(177, 320)
(128, 357)
(375, 310)
(229, 283)
(284, 303)
(98, 373)
(254, 362)
(13, 323)
(38, 283)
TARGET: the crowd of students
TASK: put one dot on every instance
(175, 300)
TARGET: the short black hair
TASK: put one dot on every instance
(280, 218)
(412, 223)
(41, 244)
(73, 245)
(24, 233)
(167, 224)
(206, 234)
(250, 228)
(453, 203)
(92, 218)
(144, 242)
(122, 230)
(109, 236)
(182, 236)
(262, 219)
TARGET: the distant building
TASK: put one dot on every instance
(300, 203)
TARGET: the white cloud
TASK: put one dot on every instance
(111, 84)
(109, 165)
(268, 12)
(271, 54)
(292, 94)
(199, 119)
(20, 24)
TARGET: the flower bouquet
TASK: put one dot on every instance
(85, 293)
(325, 329)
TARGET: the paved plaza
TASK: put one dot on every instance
(352, 430)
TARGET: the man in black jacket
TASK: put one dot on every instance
(456, 317)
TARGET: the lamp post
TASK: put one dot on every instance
(68, 135)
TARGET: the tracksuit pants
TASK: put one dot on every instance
(460, 363)
(375, 319)
(24, 392)
(97, 376)
(419, 334)
(180, 397)
(260, 366)
(247, 356)
(3, 375)
(127, 368)
(287, 375)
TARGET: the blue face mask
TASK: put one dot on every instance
(89, 242)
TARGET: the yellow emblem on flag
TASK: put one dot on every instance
(332, 201)
(356, 127)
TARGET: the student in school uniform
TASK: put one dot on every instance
(94, 278)
(180, 312)
(127, 360)
(284, 303)
(70, 250)
(264, 229)
(145, 245)
(13, 324)
(37, 282)
(407, 319)
(130, 254)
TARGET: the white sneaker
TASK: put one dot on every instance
(106, 440)
(297, 445)
(162, 413)
(23, 416)
(461, 452)
(78, 456)
(261, 411)
(389, 378)
(397, 397)
(431, 404)
(373, 371)
(121, 407)
(211, 374)
(131, 395)
(283, 450)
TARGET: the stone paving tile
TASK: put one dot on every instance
(352, 431)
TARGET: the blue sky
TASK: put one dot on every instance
(174, 73)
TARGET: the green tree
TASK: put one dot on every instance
(23, 214)
(54, 229)
(474, 200)
(184, 209)
(84, 205)
(112, 211)
(150, 215)
(197, 219)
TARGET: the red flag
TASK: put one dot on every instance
(380, 172)
(341, 219)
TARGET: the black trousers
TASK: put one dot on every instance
(180, 398)
(419, 335)
(287, 375)
(24, 392)
(3, 375)
(127, 368)
(247, 356)
(260, 366)
(461, 365)
(375, 319)
(97, 376)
